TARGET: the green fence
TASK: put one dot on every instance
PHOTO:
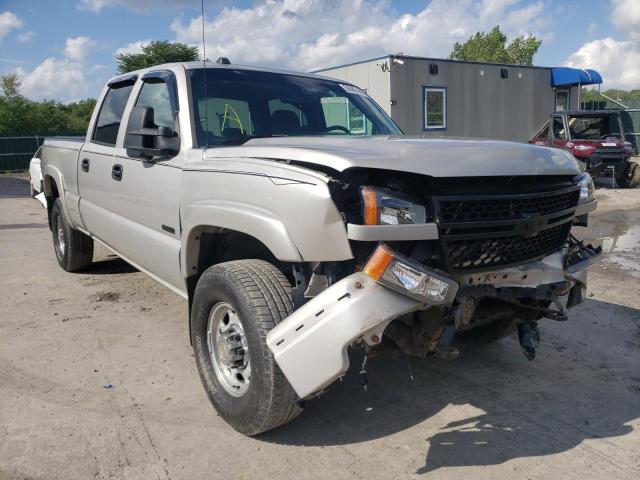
(16, 152)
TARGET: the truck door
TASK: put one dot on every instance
(94, 168)
(146, 191)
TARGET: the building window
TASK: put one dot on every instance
(562, 100)
(435, 108)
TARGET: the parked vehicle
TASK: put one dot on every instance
(596, 138)
(246, 191)
(35, 174)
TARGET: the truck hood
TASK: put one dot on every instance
(433, 157)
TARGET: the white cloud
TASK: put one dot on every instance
(60, 79)
(78, 48)
(137, 5)
(625, 15)
(8, 22)
(26, 37)
(308, 34)
(617, 61)
(133, 47)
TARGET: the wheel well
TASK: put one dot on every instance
(51, 188)
(216, 245)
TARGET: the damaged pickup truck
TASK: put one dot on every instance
(298, 222)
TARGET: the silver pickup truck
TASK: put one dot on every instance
(298, 222)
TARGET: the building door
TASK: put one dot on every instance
(562, 100)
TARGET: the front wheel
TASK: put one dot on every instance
(631, 178)
(234, 306)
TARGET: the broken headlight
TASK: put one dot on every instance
(411, 278)
(587, 189)
(381, 207)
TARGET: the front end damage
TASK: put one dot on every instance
(435, 259)
(395, 302)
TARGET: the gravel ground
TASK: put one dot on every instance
(97, 380)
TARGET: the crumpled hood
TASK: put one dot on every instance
(433, 157)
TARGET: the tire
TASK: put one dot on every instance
(74, 249)
(490, 332)
(631, 178)
(256, 296)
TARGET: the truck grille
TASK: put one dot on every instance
(490, 252)
(481, 232)
(454, 211)
(608, 155)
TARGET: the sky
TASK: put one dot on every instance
(63, 49)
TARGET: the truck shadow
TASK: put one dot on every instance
(506, 407)
(110, 266)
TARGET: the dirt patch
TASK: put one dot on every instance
(105, 297)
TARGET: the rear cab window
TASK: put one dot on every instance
(105, 131)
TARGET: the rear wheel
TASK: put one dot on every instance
(235, 305)
(74, 249)
(631, 178)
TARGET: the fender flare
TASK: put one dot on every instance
(254, 221)
(53, 175)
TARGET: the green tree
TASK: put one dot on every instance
(21, 116)
(492, 47)
(10, 85)
(156, 53)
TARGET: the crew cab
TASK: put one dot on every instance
(595, 138)
(299, 222)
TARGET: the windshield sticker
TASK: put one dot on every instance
(353, 89)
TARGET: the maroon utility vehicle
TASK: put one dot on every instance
(595, 138)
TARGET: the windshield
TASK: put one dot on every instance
(594, 127)
(244, 104)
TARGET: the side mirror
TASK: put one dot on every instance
(145, 139)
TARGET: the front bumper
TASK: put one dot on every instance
(310, 345)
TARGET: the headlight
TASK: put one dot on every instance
(587, 189)
(381, 207)
(403, 275)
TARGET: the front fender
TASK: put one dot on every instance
(252, 221)
(290, 211)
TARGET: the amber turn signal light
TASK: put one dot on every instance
(379, 262)
(371, 207)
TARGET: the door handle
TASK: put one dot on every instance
(116, 172)
(84, 164)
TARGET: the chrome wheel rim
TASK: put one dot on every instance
(228, 349)
(60, 236)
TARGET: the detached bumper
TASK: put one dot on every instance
(310, 346)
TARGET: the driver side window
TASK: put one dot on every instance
(155, 94)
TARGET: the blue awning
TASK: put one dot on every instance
(567, 77)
